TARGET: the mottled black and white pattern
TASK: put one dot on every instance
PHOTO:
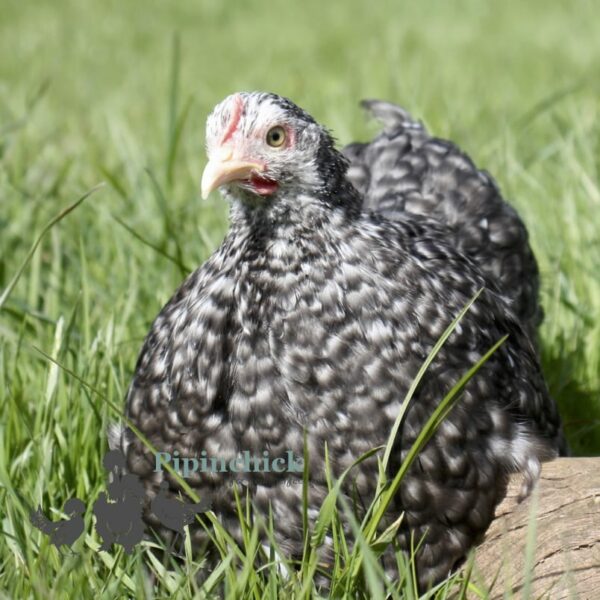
(316, 315)
(406, 170)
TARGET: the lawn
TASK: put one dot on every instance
(116, 93)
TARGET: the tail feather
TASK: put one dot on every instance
(391, 115)
(119, 437)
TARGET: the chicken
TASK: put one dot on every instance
(312, 318)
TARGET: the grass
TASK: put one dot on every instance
(117, 92)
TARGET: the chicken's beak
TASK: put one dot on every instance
(221, 170)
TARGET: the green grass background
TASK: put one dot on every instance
(101, 91)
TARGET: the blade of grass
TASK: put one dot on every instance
(182, 267)
(413, 386)
(324, 519)
(59, 217)
(170, 230)
(434, 421)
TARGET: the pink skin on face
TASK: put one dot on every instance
(262, 186)
(234, 121)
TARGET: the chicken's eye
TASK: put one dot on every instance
(276, 136)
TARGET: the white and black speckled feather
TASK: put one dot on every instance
(316, 315)
(406, 170)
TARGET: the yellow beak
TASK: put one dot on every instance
(219, 172)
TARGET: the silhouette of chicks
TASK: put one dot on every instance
(61, 532)
(119, 514)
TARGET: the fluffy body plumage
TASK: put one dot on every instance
(405, 169)
(316, 315)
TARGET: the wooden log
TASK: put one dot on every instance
(548, 545)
